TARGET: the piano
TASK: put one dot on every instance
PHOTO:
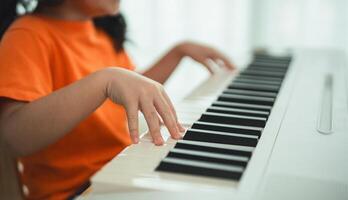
(278, 129)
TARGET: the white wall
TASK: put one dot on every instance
(234, 26)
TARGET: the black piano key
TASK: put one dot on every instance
(221, 139)
(236, 112)
(241, 80)
(207, 159)
(270, 58)
(250, 93)
(266, 63)
(228, 129)
(212, 149)
(267, 68)
(255, 77)
(263, 74)
(233, 120)
(247, 99)
(255, 87)
(278, 65)
(194, 170)
(241, 106)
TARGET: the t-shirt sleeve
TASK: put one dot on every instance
(25, 73)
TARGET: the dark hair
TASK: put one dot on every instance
(114, 26)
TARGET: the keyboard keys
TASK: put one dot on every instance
(217, 145)
(190, 167)
(250, 93)
(235, 111)
(246, 99)
(221, 142)
(267, 68)
(249, 130)
(268, 58)
(221, 138)
(274, 65)
(218, 150)
(234, 160)
(262, 73)
(255, 77)
(254, 87)
(233, 119)
(242, 106)
(264, 82)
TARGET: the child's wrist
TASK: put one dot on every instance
(180, 49)
(107, 76)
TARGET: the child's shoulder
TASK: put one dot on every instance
(29, 22)
(29, 26)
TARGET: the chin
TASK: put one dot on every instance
(110, 7)
(104, 7)
(114, 11)
(114, 7)
(108, 12)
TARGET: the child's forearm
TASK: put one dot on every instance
(204, 55)
(163, 68)
(28, 127)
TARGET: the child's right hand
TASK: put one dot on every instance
(136, 92)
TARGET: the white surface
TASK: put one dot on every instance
(302, 158)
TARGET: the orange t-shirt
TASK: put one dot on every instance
(39, 55)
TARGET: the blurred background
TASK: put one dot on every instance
(233, 26)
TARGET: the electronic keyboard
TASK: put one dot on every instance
(278, 129)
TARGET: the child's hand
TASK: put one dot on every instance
(136, 92)
(203, 54)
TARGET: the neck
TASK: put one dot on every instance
(65, 11)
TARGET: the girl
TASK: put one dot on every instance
(68, 89)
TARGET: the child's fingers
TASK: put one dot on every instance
(217, 56)
(132, 116)
(180, 127)
(168, 117)
(206, 64)
(152, 121)
(227, 63)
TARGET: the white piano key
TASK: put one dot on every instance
(223, 133)
(203, 164)
(187, 119)
(281, 65)
(218, 145)
(236, 116)
(255, 77)
(243, 105)
(210, 155)
(165, 135)
(231, 126)
(249, 92)
(246, 97)
(246, 80)
(240, 110)
(256, 86)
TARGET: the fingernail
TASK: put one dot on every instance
(135, 140)
(159, 141)
(179, 137)
(181, 128)
(176, 136)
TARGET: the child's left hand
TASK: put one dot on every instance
(204, 54)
